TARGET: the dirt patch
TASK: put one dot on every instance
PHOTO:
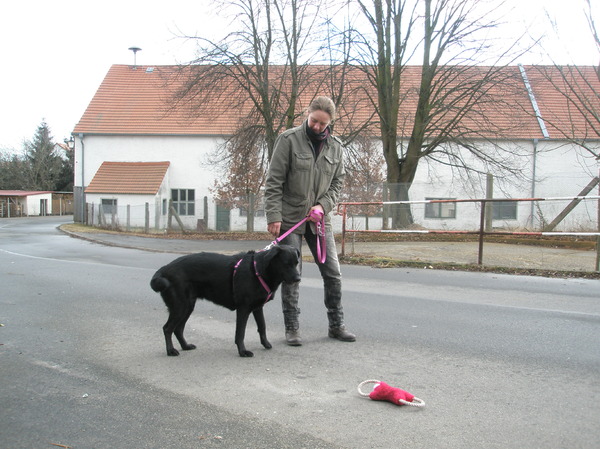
(560, 242)
(211, 235)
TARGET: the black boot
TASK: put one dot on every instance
(291, 312)
(292, 337)
(335, 311)
(341, 334)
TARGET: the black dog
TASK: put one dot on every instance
(244, 283)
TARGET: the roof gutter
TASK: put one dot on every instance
(536, 109)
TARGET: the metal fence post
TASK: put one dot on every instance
(489, 193)
(598, 223)
(481, 232)
(343, 230)
(147, 219)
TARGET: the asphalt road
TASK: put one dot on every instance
(500, 361)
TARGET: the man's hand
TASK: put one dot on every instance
(274, 228)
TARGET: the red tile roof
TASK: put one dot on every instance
(128, 177)
(138, 101)
(566, 95)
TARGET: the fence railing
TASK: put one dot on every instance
(481, 231)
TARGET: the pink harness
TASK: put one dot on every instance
(260, 278)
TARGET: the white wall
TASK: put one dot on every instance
(560, 171)
(32, 204)
(189, 168)
(564, 171)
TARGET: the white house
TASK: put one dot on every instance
(128, 136)
(131, 184)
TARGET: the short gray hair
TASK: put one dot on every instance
(324, 104)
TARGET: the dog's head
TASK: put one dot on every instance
(281, 262)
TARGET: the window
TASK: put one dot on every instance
(440, 210)
(504, 210)
(184, 201)
(109, 206)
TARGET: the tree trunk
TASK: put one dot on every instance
(250, 214)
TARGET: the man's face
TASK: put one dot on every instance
(318, 121)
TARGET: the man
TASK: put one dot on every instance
(307, 173)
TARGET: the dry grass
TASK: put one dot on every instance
(566, 242)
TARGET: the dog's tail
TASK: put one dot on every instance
(159, 283)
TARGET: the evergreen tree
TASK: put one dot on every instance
(44, 164)
(41, 166)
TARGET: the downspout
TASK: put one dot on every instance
(533, 182)
(543, 129)
(83, 217)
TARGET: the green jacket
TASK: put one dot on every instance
(296, 181)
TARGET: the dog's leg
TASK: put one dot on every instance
(242, 315)
(259, 317)
(181, 326)
(168, 329)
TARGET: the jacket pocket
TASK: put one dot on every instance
(302, 161)
(328, 164)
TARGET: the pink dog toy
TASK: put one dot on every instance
(383, 392)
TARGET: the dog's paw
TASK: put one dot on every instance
(172, 352)
(266, 344)
(246, 353)
(188, 347)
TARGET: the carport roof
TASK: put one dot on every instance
(143, 178)
(21, 193)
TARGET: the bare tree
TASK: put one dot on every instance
(243, 172)
(595, 34)
(261, 69)
(257, 69)
(453, 92)
(365, 179)
(580, 95)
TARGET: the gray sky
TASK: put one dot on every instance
(56, 52)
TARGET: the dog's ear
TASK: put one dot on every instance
(264, 258)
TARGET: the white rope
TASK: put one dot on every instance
(366, 395)
(415, 403)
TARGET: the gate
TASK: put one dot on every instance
(223, 218)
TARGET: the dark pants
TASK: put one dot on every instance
(330, 272)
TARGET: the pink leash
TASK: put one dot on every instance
(320, 224)
(321, 247)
